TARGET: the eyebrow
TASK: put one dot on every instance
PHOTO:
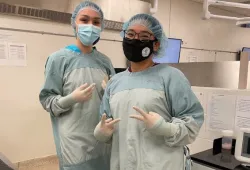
(140, 31)
(97, 18)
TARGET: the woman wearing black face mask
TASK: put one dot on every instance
(168, 116)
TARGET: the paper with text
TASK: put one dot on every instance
(221, 112)
(3, 53)
(242, 118)
(17, 54)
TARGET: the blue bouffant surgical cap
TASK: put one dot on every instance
(84, 5)
(152, 24)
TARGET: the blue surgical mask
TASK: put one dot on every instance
(88, 34)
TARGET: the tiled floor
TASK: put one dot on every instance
(49, 163)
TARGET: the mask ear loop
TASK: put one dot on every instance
(76, 31)
(96, 41)
(154, 42)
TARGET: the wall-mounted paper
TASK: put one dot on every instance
(3, 53)
(221, 112)
(5, 37)
(242, 118)
(17, 54)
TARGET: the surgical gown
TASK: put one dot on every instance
(73, 127)
(160, 89)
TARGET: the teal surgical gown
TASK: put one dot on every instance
(73, 127)
(160, 89)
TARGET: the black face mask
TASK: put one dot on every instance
(137, 51)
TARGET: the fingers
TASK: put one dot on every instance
(138, 117)
(88, 91)
(144, 114)
(113, 122)
(92, 85)
(103, 119)
(90, 88)
(108, 120)
(87, 87)
(84, 86)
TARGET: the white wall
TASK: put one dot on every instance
(117, 10)
(23, 2)
(25, 128)
(182, 19)
(61, 5)
(55, 5)
(25, 131)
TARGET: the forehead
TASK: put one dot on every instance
(139, 28)
(89, 12)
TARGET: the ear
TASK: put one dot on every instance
(75, 29)
(156, 45)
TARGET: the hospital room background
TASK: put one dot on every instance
(208, 50)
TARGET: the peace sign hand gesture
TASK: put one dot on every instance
(105, 129)
(150, 119)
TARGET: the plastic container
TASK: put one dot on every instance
(227, 139)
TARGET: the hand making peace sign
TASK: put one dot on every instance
(150, 119)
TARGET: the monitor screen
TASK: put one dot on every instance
(245, 49)
(172, 53)
(246, 145)
(245, 25)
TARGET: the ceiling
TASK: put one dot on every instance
(63, 6)
(238, 1)
(241, 11)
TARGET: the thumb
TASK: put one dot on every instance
(104, 84)
(106, 78)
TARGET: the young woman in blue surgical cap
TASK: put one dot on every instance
(72, 93)
(149, 112)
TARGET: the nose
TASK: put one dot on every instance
(136, 36)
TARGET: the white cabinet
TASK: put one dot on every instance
(197, 166)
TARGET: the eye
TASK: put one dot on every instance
(130, 34)
(144, 34)
(96, 22)
(144, 37)
(84, 20)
